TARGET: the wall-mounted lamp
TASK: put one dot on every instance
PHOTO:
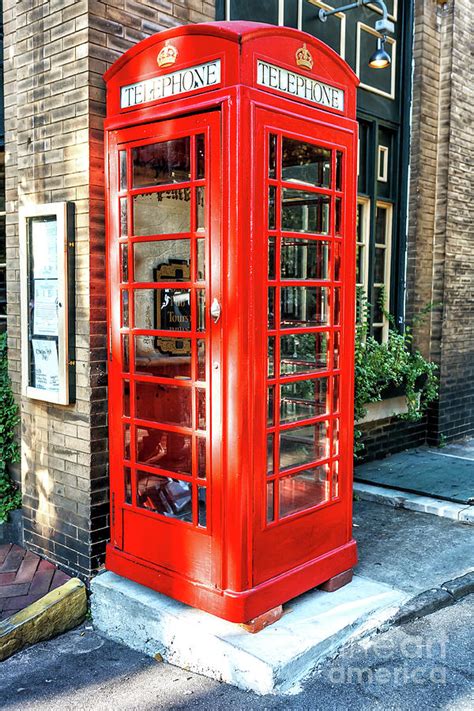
(379, 59)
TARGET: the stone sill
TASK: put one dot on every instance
(384, 409)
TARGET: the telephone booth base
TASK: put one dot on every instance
(228, 604)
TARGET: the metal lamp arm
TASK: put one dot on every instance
(384, 25)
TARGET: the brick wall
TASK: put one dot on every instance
(55, 55)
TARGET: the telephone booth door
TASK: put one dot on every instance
(163, 234)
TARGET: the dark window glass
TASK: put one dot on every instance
(161, 163)
(166, 496)
(167, 404)
(304, 258)
(305, 163)
(166, 450)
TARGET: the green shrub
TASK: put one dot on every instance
(10, 497)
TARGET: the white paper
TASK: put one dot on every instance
(45, 249)
(45, 357)
(45, 318)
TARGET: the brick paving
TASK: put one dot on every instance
(24, 578)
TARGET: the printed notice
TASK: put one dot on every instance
(44, 247)
(45, 319)
(45, 358)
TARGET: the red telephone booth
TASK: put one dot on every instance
(231, 184)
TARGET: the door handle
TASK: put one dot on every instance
(215, 310)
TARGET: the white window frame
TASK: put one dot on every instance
(382, 163)
(364, 242)
(387, 246)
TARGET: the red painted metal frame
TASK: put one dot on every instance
(250, 567)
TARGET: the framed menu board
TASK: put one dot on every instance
(47, 302)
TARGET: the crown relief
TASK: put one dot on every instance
(167, 55)
(304, 58)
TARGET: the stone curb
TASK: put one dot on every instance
(435, 599)
(58, 611)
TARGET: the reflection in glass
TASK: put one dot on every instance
(167, 404)
(338, 170)
(202, 513)
(165, 212)
(336, 394)
(123, 170)
(270, 497)
(271, 307)
(166, 450)
(200, 156)
(201, 359)
(201, 409)
(272, 147)
(200, 208)
(201, 259)
(380, 225)
(270, 467)
(335, 437)
(271, 207)
(335, 479)
(337, 262)
(163, 357)
(305, 212)
(201, 470)
(270, 406)
(126, 441)
(271, 356)
(337, 306)
(303, 399)
(304, 306)
(164, 260)
(303, 353)
(125, 311)
(303, 445)
(127, 476)
(305, 163)
(161, 163)
(125, 354)
(126, 398)
(303, 490)
(163, 309)
(123, 217)
(124, 263)
(271, 257)
(337, 349)
(338, 220)
(164, 495)
(201, 309)
(379, 269)
(304, 258)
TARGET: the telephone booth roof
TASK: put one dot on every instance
(237, 45)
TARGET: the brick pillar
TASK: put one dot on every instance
(55, 54)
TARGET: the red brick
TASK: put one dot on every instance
(264, 620)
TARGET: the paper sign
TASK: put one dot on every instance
(45, 320)
(44, 246)
(45, 358)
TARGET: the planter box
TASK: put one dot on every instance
(12, 530)
(384, 409)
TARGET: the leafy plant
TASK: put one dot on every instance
(395, 363)
(10, 497)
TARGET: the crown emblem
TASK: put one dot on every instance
(167, 55)
(304, 58)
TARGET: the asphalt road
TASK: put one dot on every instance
(427, 664)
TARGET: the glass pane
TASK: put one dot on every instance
(335, 480)
(201, 362)
(338, 170)
(167, 404)
(303, 490)
(379, 270)
(201, 259)
(166, 260)
(337, 261)
(271, 257)
(305, 212)
(337, 349)
(200, 208)
(303, 353)
(271, 307)
(304, 258)
(304, 306)
(378, 305)
(127, 475)
(380, 225)
(335, 393)
(123, 217)
(272, 147)
(359, 264)
(124, 263)
(163, 309)
(303, 445)
(338, 216)
(335, 438)
(305, 163)
(200, 156)
(163, 357)
(201, 409)
(270, 497)
(125, 314)
(201, 309)
(271, 207)
(337, 306)
(202, 514)
(160, 163)
(126, 398)
(167, 450)
(125, 355)
(303, 399)
(166, 212)
(126, 441)
(201, 443)
(166, 496)
(123, 170)
(377, 333)
(270, 406)
(270, 468)
(271, 356)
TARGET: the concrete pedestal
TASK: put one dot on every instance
(274, 660)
